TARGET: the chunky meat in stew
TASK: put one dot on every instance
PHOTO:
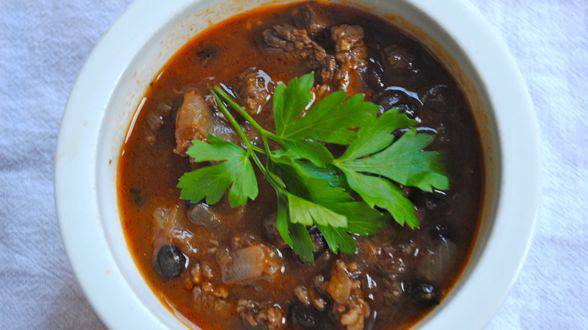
(220, 267)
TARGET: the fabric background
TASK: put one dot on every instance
(44, 43)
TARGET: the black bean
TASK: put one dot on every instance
(439, 98)
(400, 100)
(305, 317)
(443, 231)
(318, 242)
(207, 53)
(375, 74)
(398, 62)
(169, 262)
(409, 110)
(269, 229)
(388, 99)
(137, 196)
(327, 323)
(424, 293)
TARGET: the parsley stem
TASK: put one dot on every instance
(234, 123)
(229, 99)
(250, 147)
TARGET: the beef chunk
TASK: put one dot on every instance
(349, 46)
(345, 70)
(351, 56)
(306, 18)
(193, 120)
(287, 40)
(254, 90)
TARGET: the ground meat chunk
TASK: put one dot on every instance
(339, 286)
(193, 120)
(255, 90)
(211, 299)
(345, 289)
(356, 313)
(306, 18)
(301, 292)
(256, 315)
(287, 40)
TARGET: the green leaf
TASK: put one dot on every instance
(216, 149)
(361, 218)
(282, 222)
(333, 119)
(234, 170)
(378, 135)
(207, 183)
(295, 235)
(338, 240)
(308, 213)
(302, 243)
(315, 152)
(376, 191)
(291, 100)
(405, 162)
(309, 181)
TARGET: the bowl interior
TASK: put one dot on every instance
(192, 17)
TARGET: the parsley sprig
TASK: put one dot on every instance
(354, 194)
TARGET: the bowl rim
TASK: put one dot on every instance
(75, 190)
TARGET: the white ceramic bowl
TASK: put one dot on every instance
(110, 89)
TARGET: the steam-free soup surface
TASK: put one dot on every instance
(183, 250)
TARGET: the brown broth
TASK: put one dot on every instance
(148, 173)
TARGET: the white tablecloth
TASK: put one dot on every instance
(44, 43)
